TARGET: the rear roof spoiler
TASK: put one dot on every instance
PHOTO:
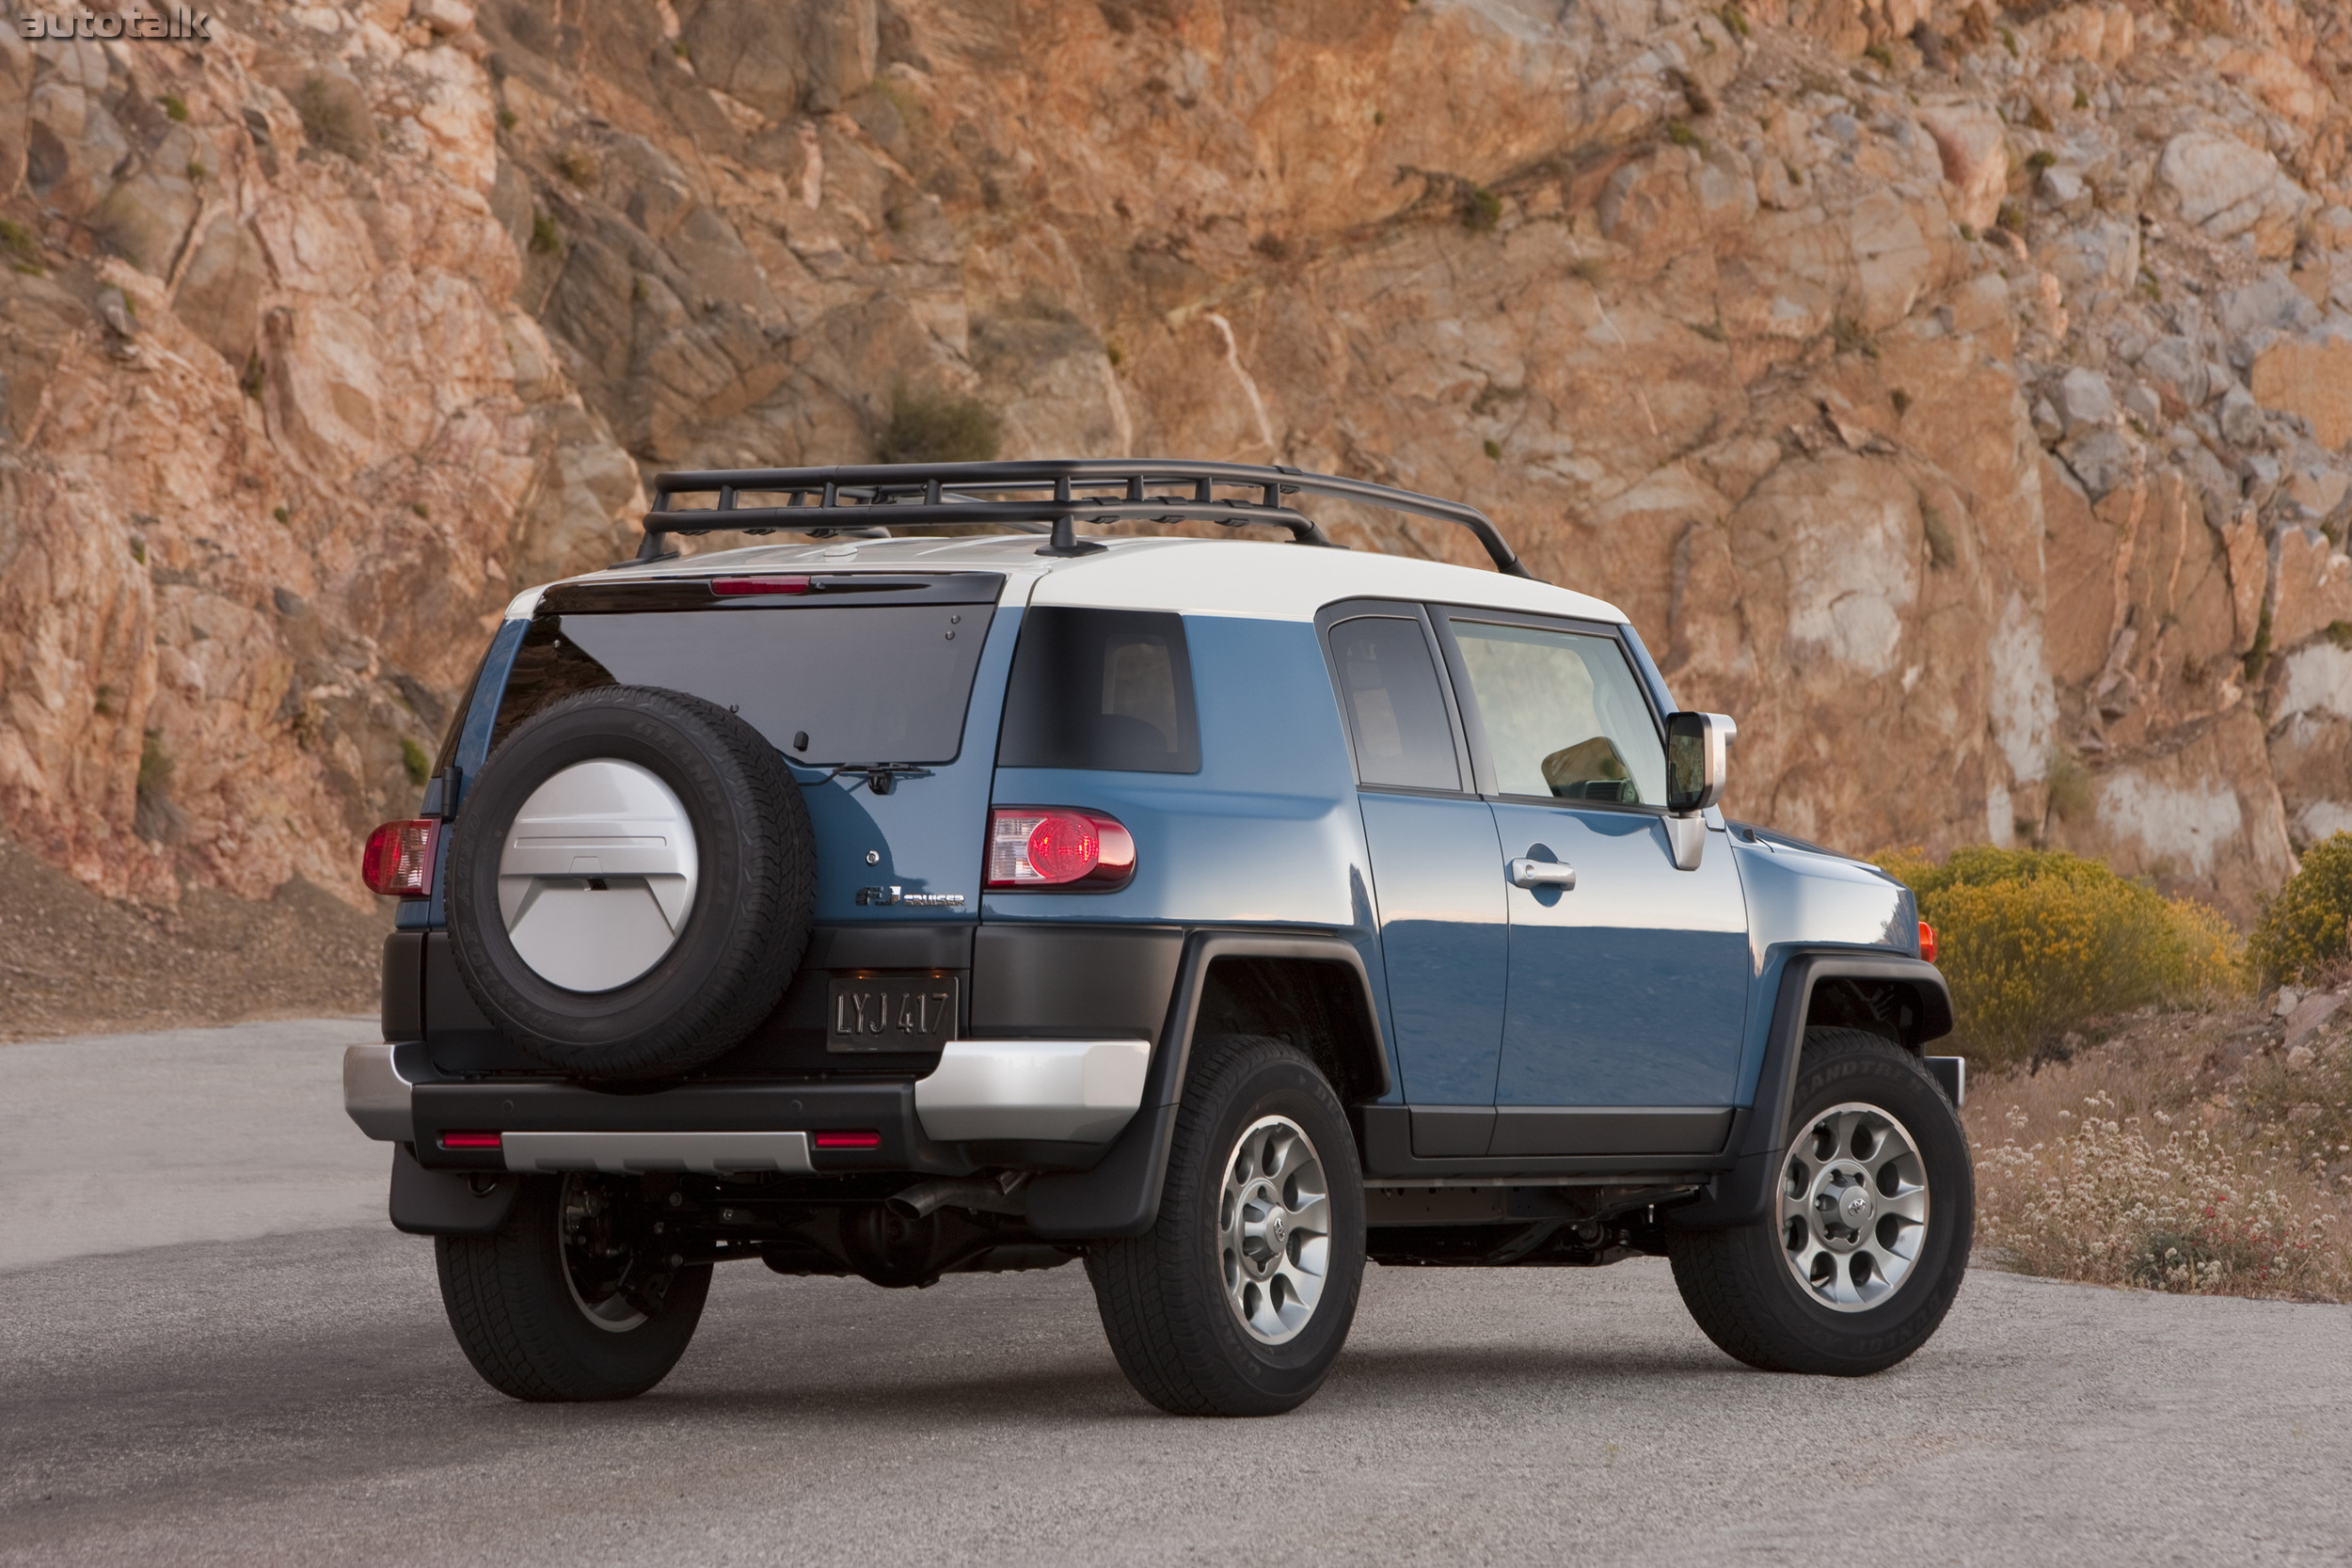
(1034, 497)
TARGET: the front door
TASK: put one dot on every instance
(1443, 922)
(1628, 989)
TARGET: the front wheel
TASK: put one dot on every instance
(1239, 1298)
(1857, 1259)
(576, 1296)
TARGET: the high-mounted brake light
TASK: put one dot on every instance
(398, 861)
(1927, 942)
(736, 588)
(1042, 846)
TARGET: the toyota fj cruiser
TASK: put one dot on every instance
(1223, 913)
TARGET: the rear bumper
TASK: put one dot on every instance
(1062, 1100)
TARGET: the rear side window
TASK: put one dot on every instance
(1101, 689)
(825, 682)
(1396, 712)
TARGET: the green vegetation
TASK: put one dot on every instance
(1680, 133)
(2042, 160)
(545, 238)
(175, 107)
(1481, 208)
(1942, 550)
(937, 427)
(1494, 448)
(415, 761)
(1852, 337)
(2308, 926)
(2036, 941)
(335, 117)
(577, 166)
(1735, 20)
(507, 119)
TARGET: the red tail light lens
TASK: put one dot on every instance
(1927, 942)
(398, 861)
(848, 1140)
(1041, 846)
(736, 588)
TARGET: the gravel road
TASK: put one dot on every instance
(205, 1359)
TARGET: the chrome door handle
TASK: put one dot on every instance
(1527, 872)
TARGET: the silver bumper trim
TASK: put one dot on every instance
(375, 1096)
(1058, 1091)
(633, 1153)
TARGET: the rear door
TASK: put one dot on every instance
(1628, 991)
(1443, 932)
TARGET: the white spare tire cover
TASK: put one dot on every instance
(596, 875)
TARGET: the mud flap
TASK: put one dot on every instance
(448, 1202)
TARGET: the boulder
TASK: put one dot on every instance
(2311, 376)
(1973, 145)
(220, 291)
(2228, 188)
(2084, 401)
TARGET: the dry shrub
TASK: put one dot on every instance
(2180, 1155)
(2308, 926)
(937, 427)
(2033, 942)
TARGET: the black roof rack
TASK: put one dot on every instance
(1029, 496)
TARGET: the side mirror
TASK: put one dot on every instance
(1696, 748)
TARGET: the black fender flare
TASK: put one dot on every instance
(1120, 1197)
(1759, 1133)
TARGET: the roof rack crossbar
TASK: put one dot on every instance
(1030, 497)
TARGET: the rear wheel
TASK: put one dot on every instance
(1239, 1298)
(576, 1296)
(1858, 1258)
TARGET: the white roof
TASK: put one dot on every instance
(1195, 576)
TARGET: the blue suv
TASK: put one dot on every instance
(949, 890)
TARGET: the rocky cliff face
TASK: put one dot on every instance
(1958, 394)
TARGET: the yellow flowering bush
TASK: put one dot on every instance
(2033, 941)
(2308, 927)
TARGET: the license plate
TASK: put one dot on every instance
(905, 1012)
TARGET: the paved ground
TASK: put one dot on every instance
(294, 1398)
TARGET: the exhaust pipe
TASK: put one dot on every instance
(1000, 1194)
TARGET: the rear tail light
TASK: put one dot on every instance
(1927, 942)
(1041, 846)
(399, 859)
(471, 1140)
(848, 1140)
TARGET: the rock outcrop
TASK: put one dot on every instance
(1958, 394)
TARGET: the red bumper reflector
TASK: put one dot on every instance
(470, 1140)
(848, 1140)
(398, 861)
(1927, 942)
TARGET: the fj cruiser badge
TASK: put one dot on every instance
(894, 895)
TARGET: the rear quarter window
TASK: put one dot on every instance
(1108, 689)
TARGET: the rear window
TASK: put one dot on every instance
(829, 673)
(1101, 689)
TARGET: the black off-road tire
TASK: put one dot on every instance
(519, 1322)
(753, 901)
(1163, 1295)
(1737, 1280)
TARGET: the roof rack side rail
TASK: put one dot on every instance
(1028, 495)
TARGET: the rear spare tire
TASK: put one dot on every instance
(630, 884)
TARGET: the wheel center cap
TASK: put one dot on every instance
(1275, 1230)
(1854, 1208)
